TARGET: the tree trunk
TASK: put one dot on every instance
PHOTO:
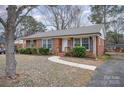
(10, 47)
(10, 55)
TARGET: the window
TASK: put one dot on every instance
(47, 43)
(77, 41)
(82, 41)
(44, 44)
(85, 42)
(32, 43)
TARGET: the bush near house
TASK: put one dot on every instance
(79, 51)
(43, 51)
(35, 51)
(24, 50)
(21, 50)
(28, 51)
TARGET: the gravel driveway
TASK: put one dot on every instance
(38, 71)
(110, 74)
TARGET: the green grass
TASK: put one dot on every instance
(105, 57)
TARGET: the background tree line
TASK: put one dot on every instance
(59, 17)
(112, 16)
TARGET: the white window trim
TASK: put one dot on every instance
(42, 43)
(74, 41)
(81, 42)
(51, 44)
(88, 43)
(47, 43)
(31, 42)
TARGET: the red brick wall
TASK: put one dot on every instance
(38, 43)
(57, 45)
(99, 46)
(27, 43)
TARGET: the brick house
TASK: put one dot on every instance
(61, 41)
(19, 43)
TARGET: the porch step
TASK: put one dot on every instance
(62, 54)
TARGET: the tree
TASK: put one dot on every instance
(62, 17)
(29, 26)
(103, 14)
(99, 14)
(10, 23)
(117, 27)
(112, 18)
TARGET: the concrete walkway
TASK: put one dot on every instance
(110, 74)
(83, 66)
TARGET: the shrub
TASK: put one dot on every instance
(24, 50)
(21, 50)
(27, 51)
(79, 51)
(34, 51)
(43, 51)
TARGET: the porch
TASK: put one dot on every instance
(65, 44)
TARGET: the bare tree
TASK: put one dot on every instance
(10, 23)
(117, 26)
(62, 17)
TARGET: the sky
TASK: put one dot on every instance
(85, 14)
(40, 17)
(85, 21)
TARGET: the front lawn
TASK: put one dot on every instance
(38, 71)
(105, 57)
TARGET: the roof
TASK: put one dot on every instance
(93, 29)
(19, 41)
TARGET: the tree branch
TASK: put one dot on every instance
(23, 15)
(20, 9)
(2, 22)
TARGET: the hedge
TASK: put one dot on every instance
(34, 51)
(21, 50)
(79, 51)
(28, 51)
(41, 51)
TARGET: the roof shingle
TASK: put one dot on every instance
(93, 29)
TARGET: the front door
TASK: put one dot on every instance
(64, 44)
